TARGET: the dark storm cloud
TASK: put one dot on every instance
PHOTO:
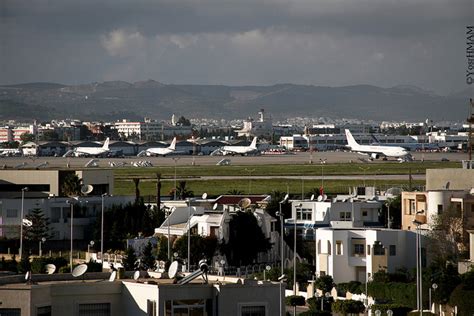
(333, 42)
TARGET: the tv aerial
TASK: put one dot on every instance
(80, 270)
(50, 268)
(86, 189)
(244, 203)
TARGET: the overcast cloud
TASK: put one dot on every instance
(238, 42)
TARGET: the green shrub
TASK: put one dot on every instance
(462, 297)
(93, 266)
(8, 265)
(314, 303)
(24, 264)
(315, 313)
(38, 265)
(397, 293)
(398, 310)
(348, 307)
(417, 313)
(295, 300)
(353, 287)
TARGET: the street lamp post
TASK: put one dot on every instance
(42, 240)
(175, 159)
(71, 203)
(322, 162)
(250, 178)
(280, 214)
(168, 213)
(21, 218)
(419, 295)
(102, 229)
(294, 249)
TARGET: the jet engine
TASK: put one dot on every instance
(374, 156)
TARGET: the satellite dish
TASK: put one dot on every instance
(393, 191)
(214, 207)
(286, 197)
(86, 189)
(113, 275)
(471, 192)
(27, 222)
(136, 275)
(50, 268)
(204, 196)
(27, 275)
(79, 270)
(173, 269)
(244, 203)
(312, 197)
(320, 198)
(222, 261)
(325, 197)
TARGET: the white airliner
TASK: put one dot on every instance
(240, 150)
(377, 151)
(8, 152)
(89, 151)
(158, 151)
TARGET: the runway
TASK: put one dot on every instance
(297, 158)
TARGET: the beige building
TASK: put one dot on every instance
(147, 297)
(48, 182)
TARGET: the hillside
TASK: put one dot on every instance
(119, 99)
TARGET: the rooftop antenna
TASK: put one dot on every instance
(80, 270)
(50, 268)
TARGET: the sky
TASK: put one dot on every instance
(237, 42)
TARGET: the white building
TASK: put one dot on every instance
(260, 127)
(356, 254)
(130, 298)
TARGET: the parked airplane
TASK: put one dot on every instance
(157, 151)
(240, 150)
(89, 151)
(377, 151)
(8, 152)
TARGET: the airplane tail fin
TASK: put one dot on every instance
(350, 140)
(173, 144)
(106, 144)
(254, 143)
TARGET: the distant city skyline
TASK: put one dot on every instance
(245, 42)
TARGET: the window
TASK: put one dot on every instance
(368, 250)
(338, 247)
(252, 311)
(10, 311)
(42, 311)
(304, 214)
(95, 309)
(412, 207)
(345, 216)
(364, 213)
(151, 308)
(359, 249)
(379, 250)
(12, 213)
(440, 209)
(393, 250)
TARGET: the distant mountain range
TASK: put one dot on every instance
(113, 100)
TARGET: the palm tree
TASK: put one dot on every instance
(182, 191)
(71, 185)
(234, 192)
